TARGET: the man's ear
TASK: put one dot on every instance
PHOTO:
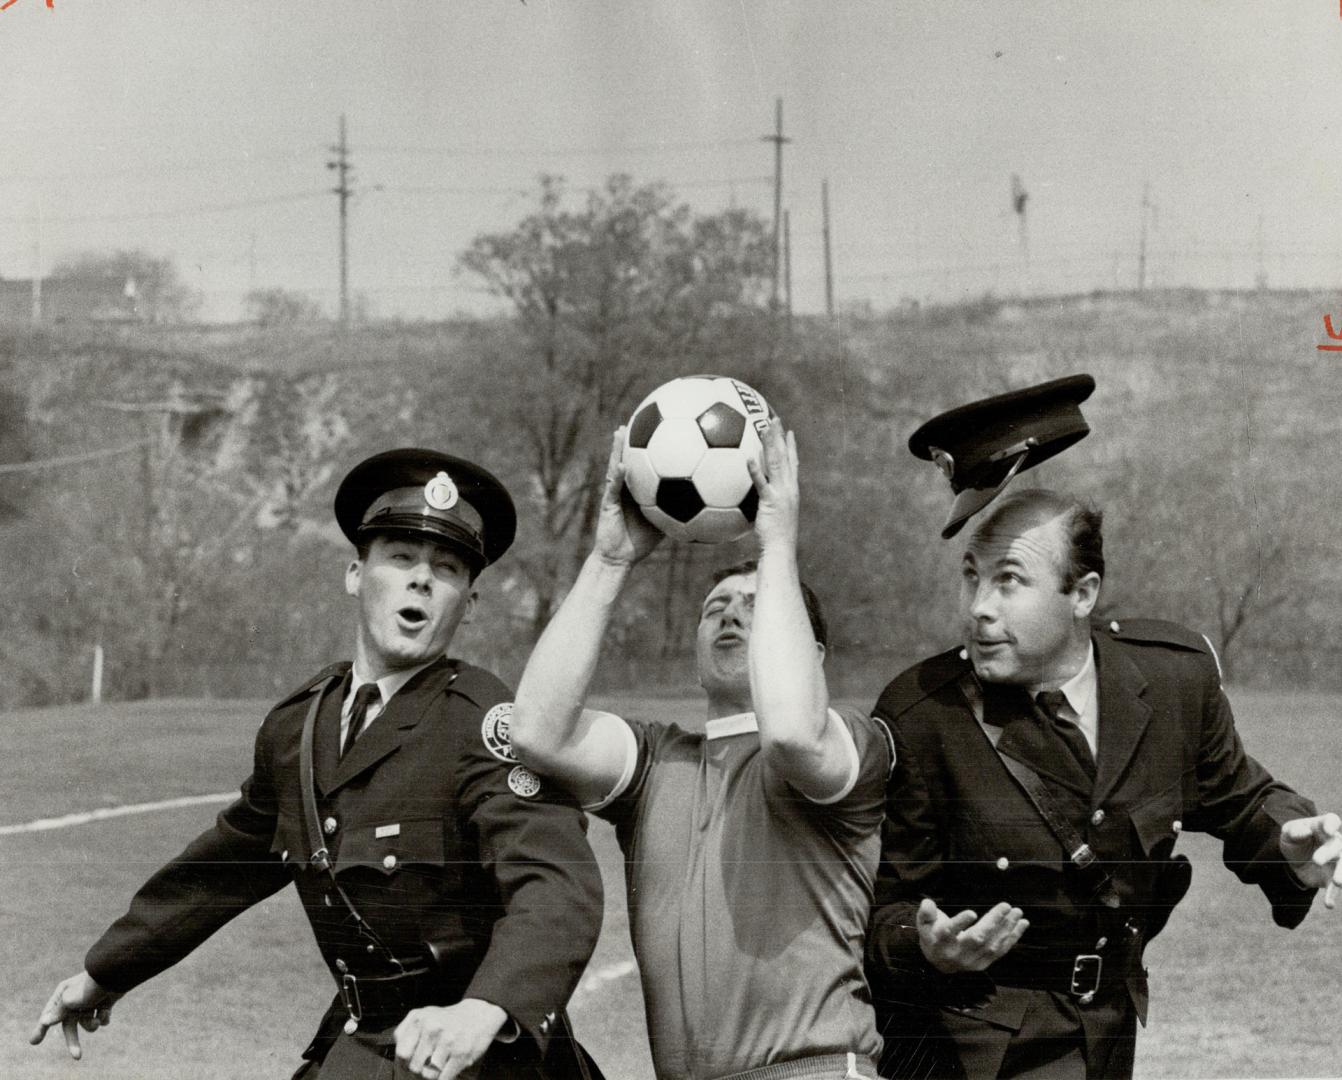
(1085, 595)
(821, 650)
(353, 574)
(470, 607)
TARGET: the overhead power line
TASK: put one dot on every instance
(72, 459)
(560, 151)
(204, 165)
(183, 211)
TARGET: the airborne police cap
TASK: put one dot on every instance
(441, 498)
(981, 446)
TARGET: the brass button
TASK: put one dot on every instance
(1097, 818)
(341, 966)
(389, 863)
(1113, 626)
(284, 855)
(330, 825)
(1177, 826)
(327, 899)
(370, 948)
(1003, 863)
(1101, 943)
(964, 654)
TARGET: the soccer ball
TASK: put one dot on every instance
(685, 453)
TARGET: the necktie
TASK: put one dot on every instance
(1049, 705)
(365, 698)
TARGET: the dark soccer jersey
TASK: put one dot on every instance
(748, 902)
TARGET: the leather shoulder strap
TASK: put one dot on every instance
(1078, 851)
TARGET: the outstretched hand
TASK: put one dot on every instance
(623, 534)
(76, 1002)
(1312, 846)
(965, 942)
(775, 479)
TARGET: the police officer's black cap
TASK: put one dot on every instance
(442, 498)
(981, 446)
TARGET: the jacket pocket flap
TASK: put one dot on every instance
(388, 846)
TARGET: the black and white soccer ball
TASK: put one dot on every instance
(685, 453)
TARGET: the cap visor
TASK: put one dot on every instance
(973, 499)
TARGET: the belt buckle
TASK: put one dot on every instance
(349, 996)
(1086, 970)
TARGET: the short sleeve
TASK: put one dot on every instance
(861, 804)
(620, 804)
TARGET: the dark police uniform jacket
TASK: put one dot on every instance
(960, 830)
(432, 844)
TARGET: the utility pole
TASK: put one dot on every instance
(343, 171)
(787, 264)
(778, 140)
(1141, 247)
(829, 264)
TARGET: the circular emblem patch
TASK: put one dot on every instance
(440, 492)
(494, 730)
(524, 782)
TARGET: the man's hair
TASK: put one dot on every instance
(1081, 524)
(819, 628)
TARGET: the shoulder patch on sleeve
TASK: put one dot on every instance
(524, 783)
(494, 729)
(1158, 632)
(919, 682)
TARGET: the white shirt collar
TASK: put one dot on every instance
(723, 727)
(387, 686)
(1080, 688)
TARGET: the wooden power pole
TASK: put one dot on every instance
(778, 139)
(829, 259)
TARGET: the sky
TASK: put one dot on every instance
(202, 131)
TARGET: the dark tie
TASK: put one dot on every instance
(1049, 704)
(365, 698)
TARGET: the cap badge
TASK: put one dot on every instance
(943, 461)
(440, 492)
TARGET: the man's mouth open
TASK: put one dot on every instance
(411, 619)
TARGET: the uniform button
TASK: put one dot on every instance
(389, 863)
(1003, 863)
(1097, 818)
(327, 899)
(329, 826)
(1113, 626)
(1101, 943)
(964, 654)
(1177, 826)
(284, 855)
(370, 948)
(341, 966)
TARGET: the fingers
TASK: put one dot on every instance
(70, 1028)
(928, 912)
(615, 463)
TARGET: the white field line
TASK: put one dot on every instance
(87, 816)
(592, 980)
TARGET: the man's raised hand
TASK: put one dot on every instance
(623, 534)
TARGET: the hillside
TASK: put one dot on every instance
(186, 522)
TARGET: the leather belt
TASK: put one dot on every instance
(365, 997)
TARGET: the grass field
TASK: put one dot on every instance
(1232, 995)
